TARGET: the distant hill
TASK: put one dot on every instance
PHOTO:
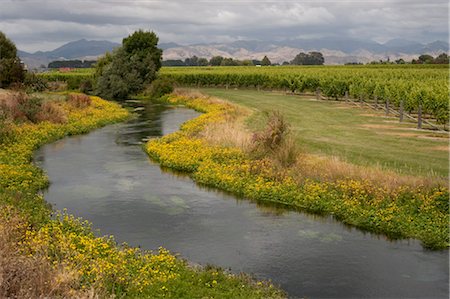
(336, 51)
(80, 49)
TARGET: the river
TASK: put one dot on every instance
(106, 178)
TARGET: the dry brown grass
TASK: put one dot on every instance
(26, 276)
(190, 93)
(17, 106)
(332, 169)
(57, 86)
(79, 100)
(228, 134)
(52, 112)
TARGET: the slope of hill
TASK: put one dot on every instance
(335, 51)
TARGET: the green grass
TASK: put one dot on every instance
(348, 132)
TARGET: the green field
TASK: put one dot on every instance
(413, 85)
(360, 136)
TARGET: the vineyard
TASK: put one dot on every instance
(409, 86)
(406, 86)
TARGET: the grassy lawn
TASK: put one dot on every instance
(360, 136)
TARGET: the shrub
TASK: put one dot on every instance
(86, 86)
(6, 133)
(79, 100)
(160, 87)
(35, 83)
(272, 136)
(51, 111)
(27, 107)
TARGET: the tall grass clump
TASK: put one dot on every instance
(275, 141)
(79, 100)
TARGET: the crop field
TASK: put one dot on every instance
(408, 85)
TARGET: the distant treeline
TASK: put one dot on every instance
(422, 59)
(311, 58)
(76, 64)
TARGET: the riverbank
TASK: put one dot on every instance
(398, 212)
(56, 255)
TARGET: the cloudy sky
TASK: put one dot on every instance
(46, 24)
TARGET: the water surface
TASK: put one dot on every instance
(106, 178)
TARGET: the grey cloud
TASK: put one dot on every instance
(33, 24)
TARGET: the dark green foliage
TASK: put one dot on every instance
(216, 60)
(159, 87)
(86, 86)
(312, 58)
(170, 62)
(11, 70)
(35, 83)
(265, 61)
(71, 64)
(442, 59)
(129, 68)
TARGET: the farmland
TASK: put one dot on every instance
(360, 136)
(414, 85)
(408, 85)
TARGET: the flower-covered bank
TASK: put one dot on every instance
(406, 212)
(43, 254)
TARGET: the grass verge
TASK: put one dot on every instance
(359, 136)
(400, 211)
(45, 254)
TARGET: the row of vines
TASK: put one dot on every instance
(413, 85)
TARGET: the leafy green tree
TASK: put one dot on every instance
(192, 61)
(11, 70)
(129, 68)
(265, 61)
(442, 59)
(425, 58)
(229, 62)
(216, 60)
(202, 62)
(312, 58)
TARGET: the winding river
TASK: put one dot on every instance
(106, 178)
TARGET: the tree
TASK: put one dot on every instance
(265, 61)
(129, 68)
(202, 62)
(229, 62)
(216, 60)
(193, 61)
(11, 69)
(425, 58)
(312, 58)
(442, 59)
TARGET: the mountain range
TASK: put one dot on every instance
(335, 51)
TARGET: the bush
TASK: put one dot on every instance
(86, 86)
(274, 141)
(159, 87)
(35, 83)
(27, 107)
(6, 133)
(79, 100)
(52, 112)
